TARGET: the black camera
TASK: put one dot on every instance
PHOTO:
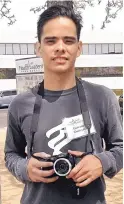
(62, 163)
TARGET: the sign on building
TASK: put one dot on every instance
(29, 65)
(29, 73)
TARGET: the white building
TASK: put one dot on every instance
(101, 61)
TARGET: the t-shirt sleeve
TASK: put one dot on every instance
(15, 156)
(112, 157)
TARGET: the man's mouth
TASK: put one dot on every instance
(60, 58)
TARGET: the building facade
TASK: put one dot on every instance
(101, 60)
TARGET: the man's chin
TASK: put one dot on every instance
(61, 69)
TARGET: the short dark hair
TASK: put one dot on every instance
(57, 11)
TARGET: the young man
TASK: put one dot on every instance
(60, 126)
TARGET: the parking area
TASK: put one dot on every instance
(3, 117)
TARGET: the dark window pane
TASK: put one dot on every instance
(14, 92)
(6, 93)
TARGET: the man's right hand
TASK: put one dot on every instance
(35, 172)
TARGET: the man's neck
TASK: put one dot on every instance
(58, 82)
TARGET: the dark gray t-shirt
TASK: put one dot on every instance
(60, 128)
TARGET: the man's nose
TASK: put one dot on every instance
(60, 47)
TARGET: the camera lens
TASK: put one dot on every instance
(62, 167)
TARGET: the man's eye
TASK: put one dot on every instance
(50, 41)
(69, 41)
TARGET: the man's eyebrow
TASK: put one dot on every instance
(50, 38)
(65, 37)
(70, 37)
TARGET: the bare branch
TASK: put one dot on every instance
(82, 4)
(112, 9)
(99, 1)
(5, 12)
(39, 8)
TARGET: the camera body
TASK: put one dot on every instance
(62, 164)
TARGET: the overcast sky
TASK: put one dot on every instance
(26, 20)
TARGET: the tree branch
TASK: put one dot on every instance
(5, 12)
(112, 9)
(39, 8)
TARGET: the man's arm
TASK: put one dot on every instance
(108, 162)
(112, 157)
(15, 156)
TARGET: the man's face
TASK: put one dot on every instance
(59, 45)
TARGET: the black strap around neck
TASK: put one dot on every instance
(38, 103)
(83, 104)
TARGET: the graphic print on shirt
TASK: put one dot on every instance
(70, 129)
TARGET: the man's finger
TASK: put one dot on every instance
(44, 180)
(75, 153)
(39, 164)
(42, 173)
(82, 172)
(49, 180)
(84, 183)
(47, 173)
(81, 178)
(75, 170)
(42, 154)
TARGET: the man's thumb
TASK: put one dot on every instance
(75, 153)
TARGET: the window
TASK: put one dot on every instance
(98, 49)
(14, 92)
(9, 92)
(24, 49)
(30, 49)
(6, 93)
(2, 49)
(118, 48)
(16, 49)
(9, 49)
(111, 48)
(104, 48)
(91, 49)
(1, 94)
(85, 49)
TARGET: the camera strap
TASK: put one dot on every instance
(83, 107)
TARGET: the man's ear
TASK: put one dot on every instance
(80, 45)
(38, 50)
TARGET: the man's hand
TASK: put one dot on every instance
(87, 170)
(35, 172)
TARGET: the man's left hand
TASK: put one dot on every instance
(87, 170)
